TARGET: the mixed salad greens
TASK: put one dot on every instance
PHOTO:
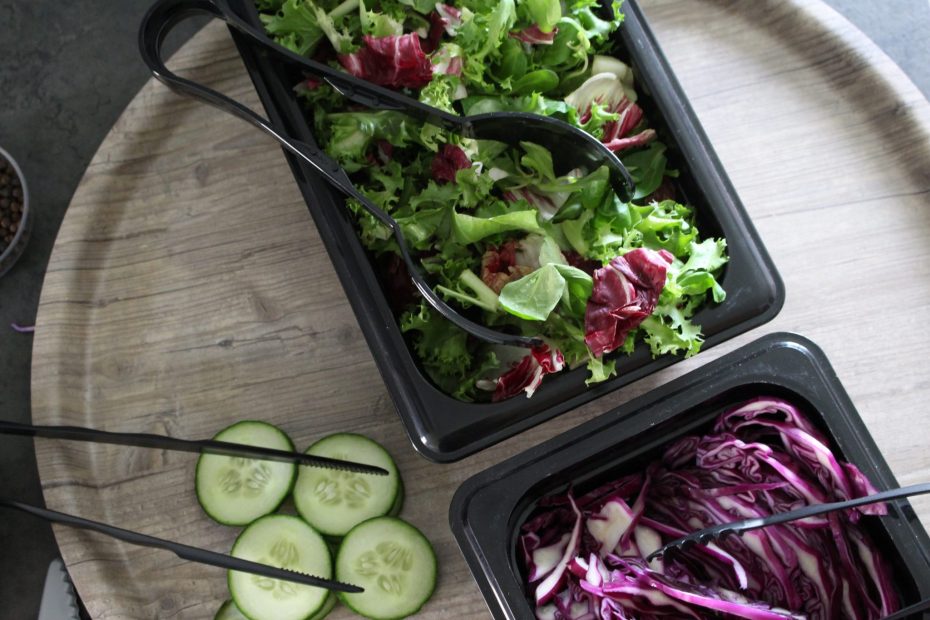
(500, 233)
(584, 554)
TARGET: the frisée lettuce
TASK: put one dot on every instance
(503, 236)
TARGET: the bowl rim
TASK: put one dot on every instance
(18, 235)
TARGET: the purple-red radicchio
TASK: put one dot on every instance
(625, 292)
(393, 61)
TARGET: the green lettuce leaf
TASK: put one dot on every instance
(483, 29)
(569, 50)
(665, 225)
(477, 294)
(596, 29)
(534, 103)
(534, 296)
(600, 369)
(351, 134)
(445, 353)
(544, 13)
(300, 25)
(538, 160)
(578, 287)
(662, 338)
(421, 6)
(647, 167)
(708, 255)
(379, 23)
(440, 344)
(485, 366)
(469, 229)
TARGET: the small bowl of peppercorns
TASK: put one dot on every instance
(14, 212)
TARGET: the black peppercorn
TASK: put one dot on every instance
(11, 204)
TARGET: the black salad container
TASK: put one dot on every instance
(444, 429)
(489, 508)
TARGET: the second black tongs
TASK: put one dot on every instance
(715, 533)
(206, 446)
(570, 146)
(176, 444)
(185, 552)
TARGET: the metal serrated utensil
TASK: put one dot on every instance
(58, 600)
(185, 552)
(202, 446)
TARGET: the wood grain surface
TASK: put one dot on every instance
(188, 288)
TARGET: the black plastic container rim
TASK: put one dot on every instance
(444, 429)
(482, 537)
(20, 233)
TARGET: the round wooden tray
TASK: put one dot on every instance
(188, 288)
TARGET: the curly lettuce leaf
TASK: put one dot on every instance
(380, 23)
(484, 27)
(445, 353)
(439, 343)
(351, 134)
(300, 25)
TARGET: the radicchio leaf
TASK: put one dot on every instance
(608, 91)
(535, 36)
(625, 293)
(527, 375)
(393, 61)
(449, 160)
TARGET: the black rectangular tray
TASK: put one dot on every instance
(444, 429)
(488, 509)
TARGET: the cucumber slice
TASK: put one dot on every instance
(236, 490)
(327, 607)
(395, 564)
(229, 611)
(399, 502)
(335, 501)
(288, 542)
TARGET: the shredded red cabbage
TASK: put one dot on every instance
(762, 457)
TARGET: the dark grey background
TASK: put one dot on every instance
(67, 70)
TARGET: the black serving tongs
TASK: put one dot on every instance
(185, 552)
(207, 446)
(718, 532)
(202, 446)
(570, 147)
